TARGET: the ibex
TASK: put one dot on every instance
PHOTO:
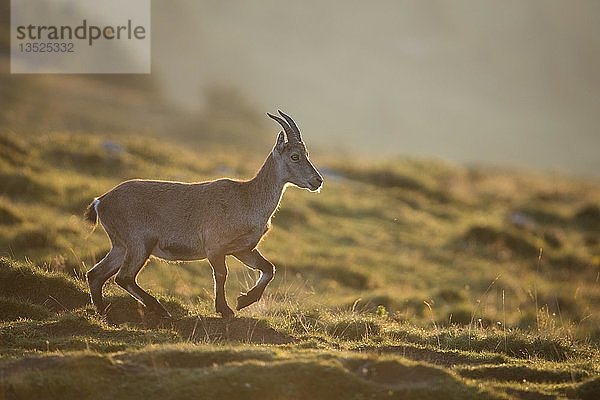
(178, 221)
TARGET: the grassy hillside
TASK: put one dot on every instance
(402, 279)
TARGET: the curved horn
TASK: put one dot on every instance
(292, 124)
(288, 130)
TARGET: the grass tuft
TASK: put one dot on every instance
(12, 309)
(371, 272)
(514, 343)
(53, 290)
(353, 329)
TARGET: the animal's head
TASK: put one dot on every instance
(291, 156)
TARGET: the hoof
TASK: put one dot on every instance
(160, 312)
(243, 300)
(102, 309)
(157, 319)
(227, 313)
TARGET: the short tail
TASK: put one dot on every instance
(91, 212)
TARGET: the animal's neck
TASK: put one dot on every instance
(267, 187)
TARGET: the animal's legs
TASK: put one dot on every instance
(219, 267)
(135, 259)
(255, 260)
(101, 272)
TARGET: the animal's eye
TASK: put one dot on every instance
(295, 157)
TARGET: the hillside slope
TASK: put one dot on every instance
(393, 261)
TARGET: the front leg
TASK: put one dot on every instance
(219, 267)
(255, 260)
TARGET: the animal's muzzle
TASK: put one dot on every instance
(316, 183)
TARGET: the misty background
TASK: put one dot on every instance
(508, 83)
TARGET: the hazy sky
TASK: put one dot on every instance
(501, 82)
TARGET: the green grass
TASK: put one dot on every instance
(404, 279)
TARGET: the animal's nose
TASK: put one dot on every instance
(319, 180)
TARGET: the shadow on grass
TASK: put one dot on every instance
(38, 295)
(239, 329)
(196, 328)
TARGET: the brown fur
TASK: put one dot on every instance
(179, 221)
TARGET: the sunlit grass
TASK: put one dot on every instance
(404, 259)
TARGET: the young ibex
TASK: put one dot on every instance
(179, 221)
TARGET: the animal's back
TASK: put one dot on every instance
(170, 208)
(145, 204)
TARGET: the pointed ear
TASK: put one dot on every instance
(280, 142)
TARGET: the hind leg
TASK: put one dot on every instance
(101, 272)
(135, 259)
